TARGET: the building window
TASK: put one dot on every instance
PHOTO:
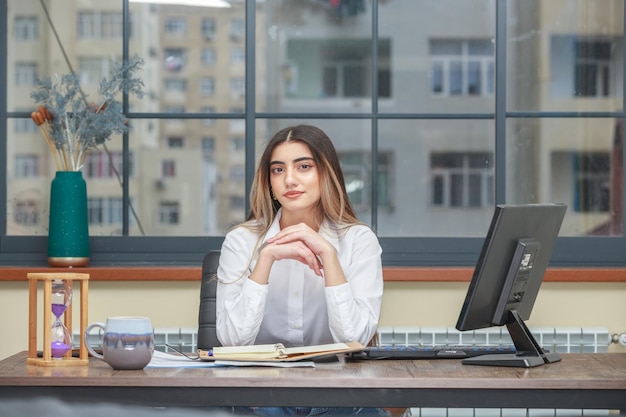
(357, 168)
(175, 26)
(207, 86)
(592, 182)
(168, 212)
(175, 85)
(462, 67)
(237, 173)
(175, 142)
(208, 145)
(237, 55)
(91, 70)
(25, 126)
(104, 211)
(344, 68)
(208, 28)
(237, 29)
(461, 179)
(585, 66)
(26, 166)
(100, 25)
(237, 144)
(103, 165)
(175, 59)
(26, 73)
(207, 56)
(592, 71)
(26, 28)
(168, 168)
(238, 87)
(26, 212)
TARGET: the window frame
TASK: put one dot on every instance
(397, 251)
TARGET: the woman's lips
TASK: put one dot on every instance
(293, 194)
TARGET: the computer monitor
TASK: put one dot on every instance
(507, 278)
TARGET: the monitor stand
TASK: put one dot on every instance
(529, 353)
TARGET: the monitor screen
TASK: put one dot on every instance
(507, 278)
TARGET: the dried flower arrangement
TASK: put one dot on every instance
(71, 125)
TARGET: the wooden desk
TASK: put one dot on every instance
(579, 381)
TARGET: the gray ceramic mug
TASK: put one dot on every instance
(128, 342)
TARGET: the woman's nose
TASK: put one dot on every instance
(290, 176)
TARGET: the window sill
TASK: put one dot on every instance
(391, 274)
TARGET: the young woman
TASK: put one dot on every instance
(302, 270)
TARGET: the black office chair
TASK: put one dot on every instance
(207, 334)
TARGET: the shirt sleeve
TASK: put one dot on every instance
(354, 307)
(240, 301)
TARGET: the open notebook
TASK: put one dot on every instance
(276, 352)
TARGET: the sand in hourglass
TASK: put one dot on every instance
(59, 348)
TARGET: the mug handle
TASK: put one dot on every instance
(86, 340)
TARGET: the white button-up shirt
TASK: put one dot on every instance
(295, 308)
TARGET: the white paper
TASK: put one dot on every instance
(292, 364)
(169, 360)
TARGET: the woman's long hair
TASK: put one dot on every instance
(333, 205)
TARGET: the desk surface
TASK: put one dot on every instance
(578, 381)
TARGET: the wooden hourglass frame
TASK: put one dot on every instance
(46, 358)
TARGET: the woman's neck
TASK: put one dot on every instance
(291, 218)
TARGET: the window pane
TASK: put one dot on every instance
(579, 164)
(312, 58)
(435, 61)
(441, 174)
(564, 57)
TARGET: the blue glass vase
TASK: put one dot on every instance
(68, 232)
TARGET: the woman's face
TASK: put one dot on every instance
(294, 177)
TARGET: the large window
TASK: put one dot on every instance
(439, 109)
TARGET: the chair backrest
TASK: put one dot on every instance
(207, 334)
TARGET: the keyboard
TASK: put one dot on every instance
(429, 352)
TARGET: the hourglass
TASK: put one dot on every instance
(57, 336)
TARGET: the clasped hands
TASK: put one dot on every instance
(301, 243)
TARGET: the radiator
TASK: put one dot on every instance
(555, 339)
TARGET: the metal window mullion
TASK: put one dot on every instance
(125, 136)
(623, 120)
(374, 121)
(500, 103)
(250, 94)
(4, 44)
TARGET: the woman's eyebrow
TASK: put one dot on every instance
(303, 158)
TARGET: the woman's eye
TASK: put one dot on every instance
(276, 170)
(305, 166)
